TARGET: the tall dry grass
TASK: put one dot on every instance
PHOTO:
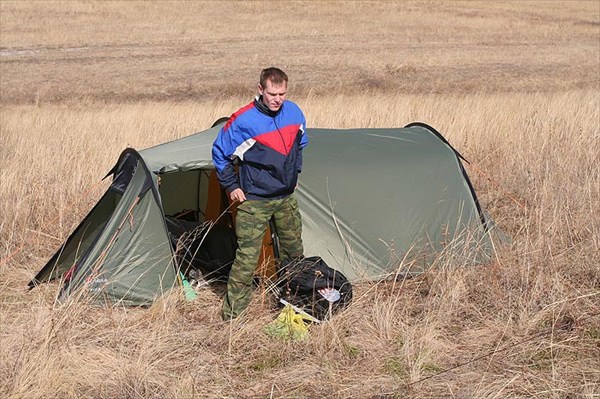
(540, 152)
(512, 85)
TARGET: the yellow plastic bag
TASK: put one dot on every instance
(288, 325)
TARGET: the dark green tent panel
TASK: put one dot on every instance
(376, 203)
(372, 198)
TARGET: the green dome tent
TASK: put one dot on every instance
(375, 203)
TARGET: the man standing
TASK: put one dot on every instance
(266, 137)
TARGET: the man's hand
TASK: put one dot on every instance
(237, 195)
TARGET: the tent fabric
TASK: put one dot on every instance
(127, 262)
(403, 194)
(375, 203)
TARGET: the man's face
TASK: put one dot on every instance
(273, 94)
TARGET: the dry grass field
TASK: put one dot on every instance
(513, 85)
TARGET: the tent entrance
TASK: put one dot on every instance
(195, 197)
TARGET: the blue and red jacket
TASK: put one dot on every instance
(268, 146)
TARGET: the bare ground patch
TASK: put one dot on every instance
(415, 48)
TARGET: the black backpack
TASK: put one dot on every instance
(313, 286)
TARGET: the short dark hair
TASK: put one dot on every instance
(275, 75)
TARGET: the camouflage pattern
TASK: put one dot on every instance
(251, 225)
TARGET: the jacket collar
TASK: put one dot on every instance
(258, 103)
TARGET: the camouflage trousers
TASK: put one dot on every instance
(251, 225)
